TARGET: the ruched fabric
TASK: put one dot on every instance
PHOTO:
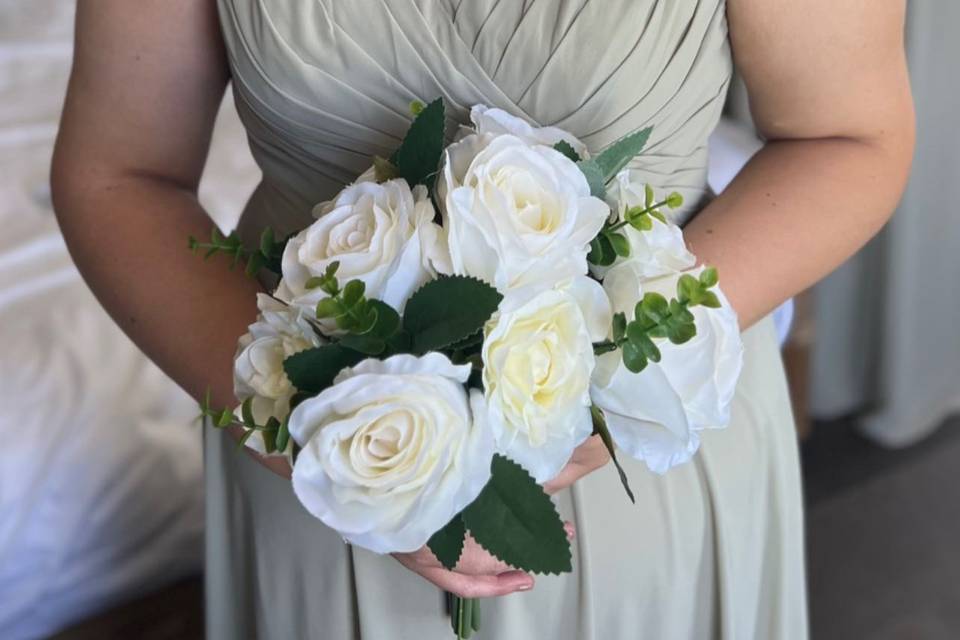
(714, 549)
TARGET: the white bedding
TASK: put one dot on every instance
(101, 491)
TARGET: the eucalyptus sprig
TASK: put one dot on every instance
(655, 317)
(370, 324)
(266, 255)
(611, 244)
(276, 435)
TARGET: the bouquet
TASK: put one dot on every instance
(458, 320)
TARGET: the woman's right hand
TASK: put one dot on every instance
(477, 575)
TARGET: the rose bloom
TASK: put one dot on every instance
(538, 359)
(382, 234)
(391, 452)
(280, 331)
(516, 212)
(655, 415)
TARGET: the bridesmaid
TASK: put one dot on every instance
(713, 550)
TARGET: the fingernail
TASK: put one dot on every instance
(526, 586)
(570, 530)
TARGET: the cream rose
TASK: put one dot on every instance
(516, 212)
(487, 120)
(391, 452)
(655, 415)
(382, 234)
(538, 360)
(280, 331)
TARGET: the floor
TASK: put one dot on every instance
(883, 534)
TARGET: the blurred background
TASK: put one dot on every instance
(101, 499)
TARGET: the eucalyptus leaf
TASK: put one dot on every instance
(594, 175)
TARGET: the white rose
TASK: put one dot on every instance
(382, 234)
(487, 120)
(538, 359)
(280, 331)
(391, 451)
(516, 214)
(655, 415)
(655, 252)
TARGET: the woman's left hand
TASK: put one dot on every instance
(588, 457)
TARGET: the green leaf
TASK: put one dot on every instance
(621, 246)
(653, 307)
(419, 154)
(283, 435)
(681, 333)
(619, 326)
(329, 308)
(447, 543)
(388, 320)
(709, 277)
(313, 370)
(384, 170)
(649, 197)
(602, 252)
(517, 522)
(600, 429)
(366, 344)
(353, 292)
(616, 156)
(269, 434)
(710, 300)
(266, 242)
(688, 289)
(447, 310)
(225, 419)
(594, 175)
(567, 149)
(246, 411)
(633, 358)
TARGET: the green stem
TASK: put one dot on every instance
(647, 210)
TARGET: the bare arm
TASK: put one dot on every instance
(146, 84)
(829, 90)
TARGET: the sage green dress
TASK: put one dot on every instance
(713, 549)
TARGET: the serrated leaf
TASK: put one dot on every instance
(594, 175)
(616, 156)
(447, 543)
(366, 344)
(313, 370)
(517, 522)
(388, 320)
(567, 149)
(447, 310)
(419, 154)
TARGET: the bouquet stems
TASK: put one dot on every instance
(464, 615)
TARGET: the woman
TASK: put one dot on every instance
(711, 550)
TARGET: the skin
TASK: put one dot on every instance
(830, 95)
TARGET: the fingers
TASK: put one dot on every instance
(479, 586)
(588, 457)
